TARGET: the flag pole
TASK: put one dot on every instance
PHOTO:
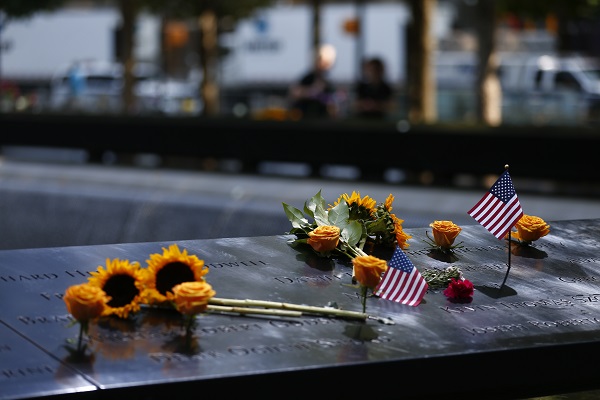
(509, 238)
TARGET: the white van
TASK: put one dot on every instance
(536, 88)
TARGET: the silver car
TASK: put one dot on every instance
(92, 86)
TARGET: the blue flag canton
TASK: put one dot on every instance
(401, 261)
(503, 188)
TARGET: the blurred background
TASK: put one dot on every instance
(446, 61)
(141, 120)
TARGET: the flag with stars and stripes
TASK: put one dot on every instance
(499, 209)
(401, 282)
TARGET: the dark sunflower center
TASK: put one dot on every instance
(173, 274)
(121, 288)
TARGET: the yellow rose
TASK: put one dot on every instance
(324, 238)
(192, 297)
(85, 302)
(530, 228)
(444, 233)
(368, 270)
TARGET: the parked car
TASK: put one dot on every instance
(95, 86)
(536, 88)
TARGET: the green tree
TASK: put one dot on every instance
(17, 9)
(487, 14)
(208, 14)
(421, 75)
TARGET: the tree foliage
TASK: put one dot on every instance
(17, 9)
(192, 8)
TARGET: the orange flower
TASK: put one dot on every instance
(324, 238)
(530, 228)
(368, 270)
(123, 282)
(85, 302)
(444, 233)
(168, 269)
(192, 297)
(401, 236)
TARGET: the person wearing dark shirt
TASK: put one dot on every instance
(313, 95)
(373, 92)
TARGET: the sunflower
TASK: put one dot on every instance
(123, 282)
(386, 227)
(387, 205)
(401, 236)
(169, 269)
(360, 208)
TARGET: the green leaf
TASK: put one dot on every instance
(295, 216)
(316, 206)
(352, 233)
(311, 205)
(339, 215)
(377, 226)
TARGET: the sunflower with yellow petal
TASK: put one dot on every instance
(123, 282)
(169, 269)
(401, 236)
(361, 208)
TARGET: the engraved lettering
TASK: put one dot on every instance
(584, 260)
(169, 357)
(451, 310)
(586, 298)
(44, 319)
(311, 279)
(569, 322)
(495, 329)
(77, 273)
(49, 296)
(235, 264)
(28, 371)
(32, 277)
(421, 252)
(578, 279)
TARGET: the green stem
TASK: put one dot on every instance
(83, 328)
(249, 306)
(189, 324)
(363, 298)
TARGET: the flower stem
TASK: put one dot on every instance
(363, 298)
(83, 329)
(275, 308)
(189, 324)
(80, 336)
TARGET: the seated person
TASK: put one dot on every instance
(373, 93)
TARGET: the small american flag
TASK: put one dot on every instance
(402, 282)
(499, 209)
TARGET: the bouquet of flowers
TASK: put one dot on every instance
(346, 227)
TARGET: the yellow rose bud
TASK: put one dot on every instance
(444, 233)
(324, 238)
(192, 297)
(85, 302)
(530, 228)
(368, 270)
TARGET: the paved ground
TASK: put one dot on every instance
(50, 204)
